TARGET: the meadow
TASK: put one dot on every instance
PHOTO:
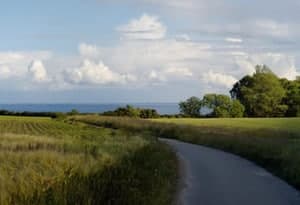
(273, 143)
(291, 125)
(45, 161)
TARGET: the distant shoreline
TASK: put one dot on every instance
(162, 108)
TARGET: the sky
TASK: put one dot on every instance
(109, 51)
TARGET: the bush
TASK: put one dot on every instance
(130, 111)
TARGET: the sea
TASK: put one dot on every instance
(162, 108)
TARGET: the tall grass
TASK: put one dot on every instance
(271, 143)
(43, 161)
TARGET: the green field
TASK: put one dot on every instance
(44, 161)
(288, 124)
(272, 143)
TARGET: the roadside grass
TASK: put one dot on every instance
(272, 143)
(45, 161)
(289, 125)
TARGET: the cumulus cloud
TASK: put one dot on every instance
(147, 27)
(15, 64)
(146, 56)
(95, 73)
(155, 77)
(219, 79)
(88, 51)
(281, 64)
(38, 72)
(142, 56)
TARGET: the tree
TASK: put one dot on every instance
(222, 106)
(237, 109)
(191, 107)
(292, 98)
(130, 111)
(148, 113)
(261, 94)
(74, 112)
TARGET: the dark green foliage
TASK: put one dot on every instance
(127, 111)
(292, 98)
(130, 111)
(148, 113)
(237, 109)
(191, 107)
(73, 112)
(32, 114)
(222, 106)
(262, 94)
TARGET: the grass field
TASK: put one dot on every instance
(272, 143)
(44, 161)
(289, 125)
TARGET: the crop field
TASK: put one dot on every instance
(272, 143)
(44, 161)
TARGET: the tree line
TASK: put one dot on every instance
(262, 94)
(130, 111)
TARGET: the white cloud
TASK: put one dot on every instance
(147, 27)
(281, 64)
(38, 72)
(146, 56)
(5, 72)
(88, 51)
(180, 72)
(270, 27)
(141, 56)
(15, 64)
(219, 79)
(155, 77)
(95, 73)
(234, 40)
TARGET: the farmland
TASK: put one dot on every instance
(273, 143)
(45, 161)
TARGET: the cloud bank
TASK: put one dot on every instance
(148, 55)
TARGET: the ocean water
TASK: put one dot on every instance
(162, 108)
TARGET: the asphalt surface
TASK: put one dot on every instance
(213, 177)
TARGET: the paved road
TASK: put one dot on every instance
(213, 177)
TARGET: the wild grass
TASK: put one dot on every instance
(290, 125)
(44, 161)
(272, 143)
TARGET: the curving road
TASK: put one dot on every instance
(213, 177)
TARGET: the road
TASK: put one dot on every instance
(213, 177)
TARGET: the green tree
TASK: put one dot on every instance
(222, 106)
(262, 94)
(237, 109)
(73, 112)
(148, 113)
(292, 99)
(191, 107)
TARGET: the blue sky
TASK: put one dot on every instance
(140, 50)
